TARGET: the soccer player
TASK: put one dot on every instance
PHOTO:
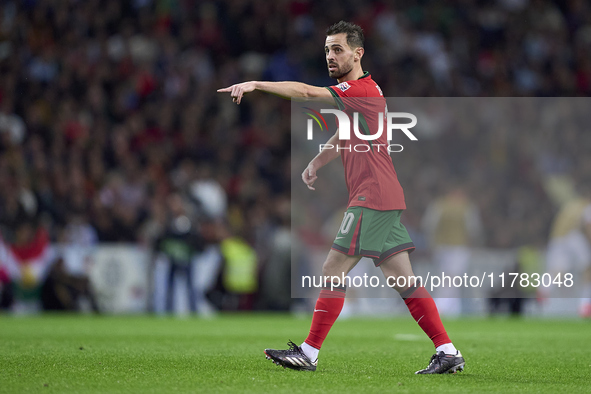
(376, 201)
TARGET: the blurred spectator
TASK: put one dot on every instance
(512, 299)
(452, 224)
(569, 248)
(79, 232)
(31, 251)
(9, 273)
(239, 273)
(275, 285)
(175, 250)
(62, 291)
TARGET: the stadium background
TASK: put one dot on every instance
(111, 126)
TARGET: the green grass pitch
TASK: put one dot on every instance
(63, 354)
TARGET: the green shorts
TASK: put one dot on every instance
(374, 234)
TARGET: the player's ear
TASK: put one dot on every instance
(359, 51)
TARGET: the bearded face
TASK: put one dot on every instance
(340, 58)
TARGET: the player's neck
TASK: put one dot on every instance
(355, 73)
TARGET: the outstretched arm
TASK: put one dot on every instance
(284, 90)
(297, 90)
(323, 158)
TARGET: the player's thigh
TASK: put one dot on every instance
(398, 265)
(338, 263)
(397, 240)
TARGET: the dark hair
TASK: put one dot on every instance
(354, 32)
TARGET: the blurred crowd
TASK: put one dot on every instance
(110, 120)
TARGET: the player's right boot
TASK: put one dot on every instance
(444, 363)
(293, 358)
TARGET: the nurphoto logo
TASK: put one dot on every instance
(344, 129)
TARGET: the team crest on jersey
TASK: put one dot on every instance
(343, 86)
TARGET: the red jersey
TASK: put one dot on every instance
(371, 179)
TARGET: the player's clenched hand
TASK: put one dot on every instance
(309, 176)
(238, 90)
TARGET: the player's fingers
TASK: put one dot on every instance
(306, 175)
(234, 93)
(309, 180)
(240, 94)
(228, 89)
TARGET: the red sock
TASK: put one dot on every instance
(424, 311)
(328, 307)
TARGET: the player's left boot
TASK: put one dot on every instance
(444, 363)
(293, 358)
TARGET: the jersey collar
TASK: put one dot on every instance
(365, 75)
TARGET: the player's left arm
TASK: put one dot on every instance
(323, 158)
(286, 90)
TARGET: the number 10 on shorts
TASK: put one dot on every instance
(347, 222)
